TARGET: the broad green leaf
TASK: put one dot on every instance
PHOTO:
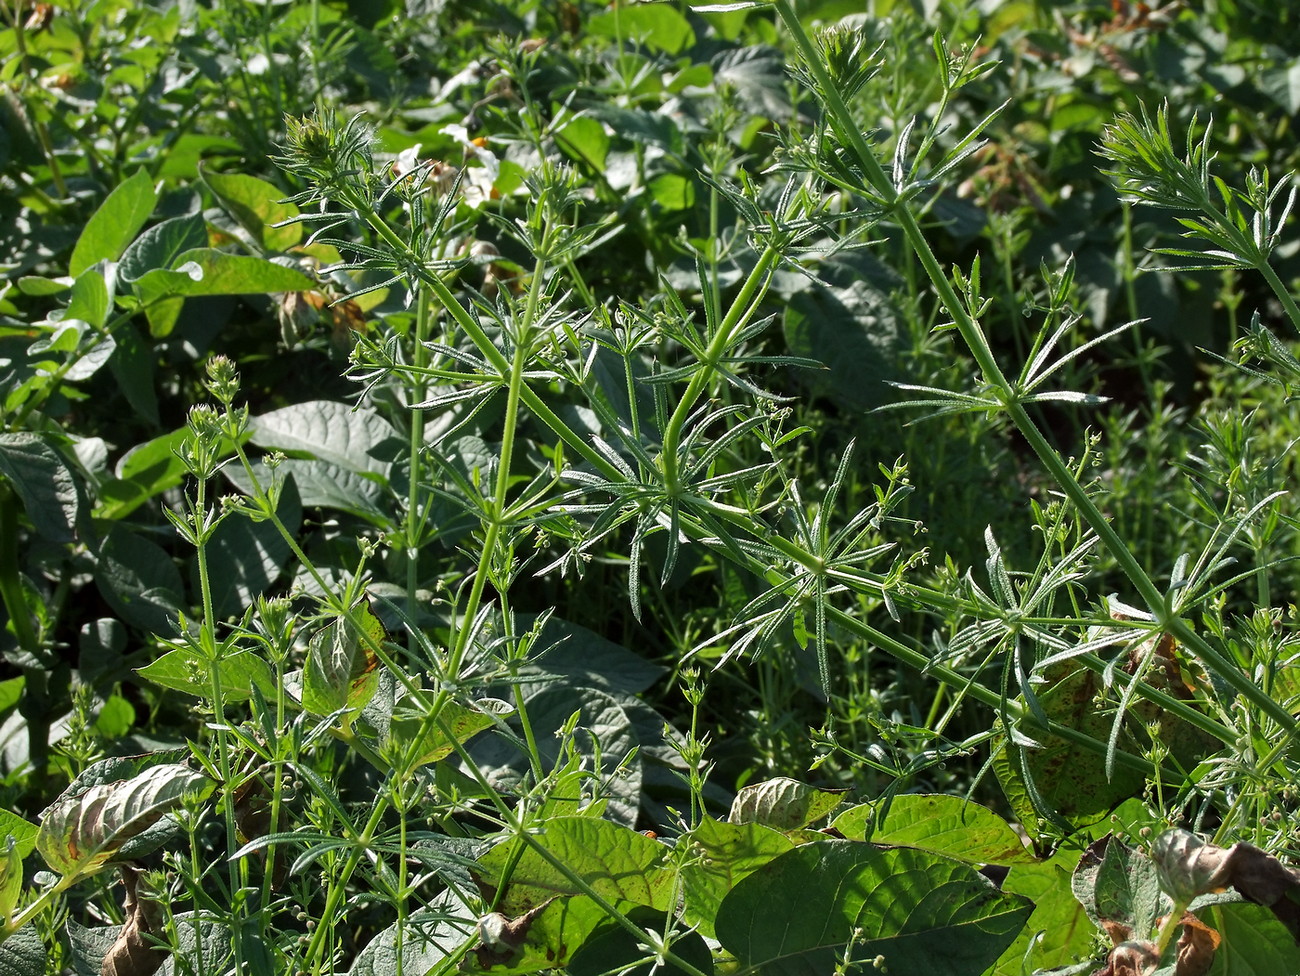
(207, 271)
(1119, 885)
(620, 864)
(612, 948)
(144, 472)
(11, 692)
(181, 669)
(1067, 934)
(137, 578)
(605, 732)
(256, 205)
(783, 803)
(23, 953)
(659, 26)
(1069, 778)
(945, 825)
(89, 300)
(115, 718)
(100, 646)
(159, 246)
(672, 191)
(341, 669)
(550, 919)
(1254, 942)
(796, 915)
(324, 485)
(721, 855)
(17, 840)
(848, 320)
(585, 139)
(11, 877)
(132, 366)
(44, 482)
(433, 743)
(416, 945)
(82, 831)
(330, 431)
(21, 830)
(114, 225)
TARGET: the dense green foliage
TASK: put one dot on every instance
(466, 467)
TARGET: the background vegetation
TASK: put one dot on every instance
(445, 441)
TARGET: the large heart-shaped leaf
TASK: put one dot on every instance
(802, 913)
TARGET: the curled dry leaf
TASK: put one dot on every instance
(1196, 947)
(1189, 867)
(1131, 959)
(503, 938)
(134, 953)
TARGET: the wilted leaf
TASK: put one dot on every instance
(134, 953)
(1188, 867)
(80, 832)
(1120, 889)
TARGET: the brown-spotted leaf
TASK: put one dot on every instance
(341, 669)
(81, 831)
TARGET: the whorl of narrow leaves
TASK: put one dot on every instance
(80, 832)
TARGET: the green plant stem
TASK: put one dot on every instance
(740, 312)
(1160, 605)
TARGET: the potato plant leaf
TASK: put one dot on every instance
(81, 831)
(800, 914)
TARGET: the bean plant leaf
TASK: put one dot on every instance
(324, 485)
(1252, 941)
(612, 947)
(183, 669)
(145, 471)
(619, 864)
(114, 225)
(23, 953)
(409, 734)
(256, 205)
(44, 482)
(419, 942)
(801, 913)
(659, 26)
(1064, 930)
(81, 831)
(722, 854)
(139, 581)
(158, 248)
(542, 918)
(1120, 890)
(942, 824)
(207, 271)
(341, 669)
(783, 803)
(330, 431)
